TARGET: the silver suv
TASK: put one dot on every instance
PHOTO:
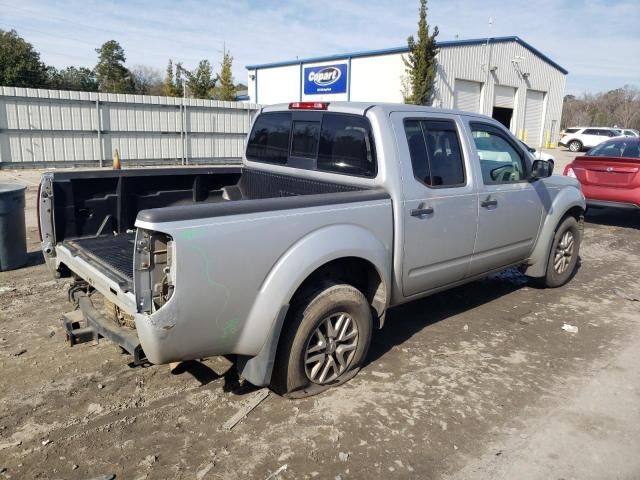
(580, 138)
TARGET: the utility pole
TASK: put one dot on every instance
(489, 49)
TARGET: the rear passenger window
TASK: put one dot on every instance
(591, 131)
(270, 138)
(434, 148)
(346, 146)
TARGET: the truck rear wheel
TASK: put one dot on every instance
(325, 342)
(563, 256)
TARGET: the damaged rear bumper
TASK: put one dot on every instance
(88, 324)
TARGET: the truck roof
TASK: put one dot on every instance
(360, 108)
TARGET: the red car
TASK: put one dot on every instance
(610, 173)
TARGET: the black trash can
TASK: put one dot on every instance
(13, 235)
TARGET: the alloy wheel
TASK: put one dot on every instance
(330, 348)
(564, 252)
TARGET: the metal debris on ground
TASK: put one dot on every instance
(248, 405)
(202, 473)
(625, 295)
(20, 352)
(277, 472)
(569, 328)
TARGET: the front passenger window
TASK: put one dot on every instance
(500, 161)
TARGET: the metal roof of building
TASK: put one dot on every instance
(391, 51)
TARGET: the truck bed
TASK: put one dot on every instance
(94, 212)
(112, 254)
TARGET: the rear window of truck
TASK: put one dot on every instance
(323, 141)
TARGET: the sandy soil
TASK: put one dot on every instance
(477, 382)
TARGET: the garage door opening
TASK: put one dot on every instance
(503, 115)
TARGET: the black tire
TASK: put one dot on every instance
(309, 313)
(556, 277)
(575, 146)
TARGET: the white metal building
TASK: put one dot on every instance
(503, 77)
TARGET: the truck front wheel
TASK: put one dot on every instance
(563, 256)
(325, 342)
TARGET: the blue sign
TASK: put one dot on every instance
(325, 79)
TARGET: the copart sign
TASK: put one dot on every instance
(325, 79)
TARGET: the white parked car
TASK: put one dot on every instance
(578, 139)
(538, 154)
(629, 132)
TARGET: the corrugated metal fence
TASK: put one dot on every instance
(40, 128)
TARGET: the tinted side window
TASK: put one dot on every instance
(435, 152)
(571, 130)
(500, 161)
(591, 131)
(346, 146)
(270, 138)
(418, 151)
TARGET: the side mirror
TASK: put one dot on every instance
(541, 169)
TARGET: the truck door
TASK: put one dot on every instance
(439, 207)
(509, 207)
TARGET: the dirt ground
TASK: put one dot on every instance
(477, 382)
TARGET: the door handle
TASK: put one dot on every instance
(421, 212)
(489, 202)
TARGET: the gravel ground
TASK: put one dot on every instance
(477, 382)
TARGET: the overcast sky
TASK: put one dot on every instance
(597, 41)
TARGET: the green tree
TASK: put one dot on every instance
(112, 75)
(227, 89)
(72, 78)
(200, 81)
(169, 85)
(179, 83)
(420, 62)
(20, 64)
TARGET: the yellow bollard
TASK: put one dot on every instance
(116, 160)
(524, 136)
(547, 142)
(520, 134)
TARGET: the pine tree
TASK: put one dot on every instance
(112, 75)
(20, 64)
(226, 89)
(421, 62)
(200, 81)
(179, 84)
(169, 86)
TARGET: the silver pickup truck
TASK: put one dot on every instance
(287, 263)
